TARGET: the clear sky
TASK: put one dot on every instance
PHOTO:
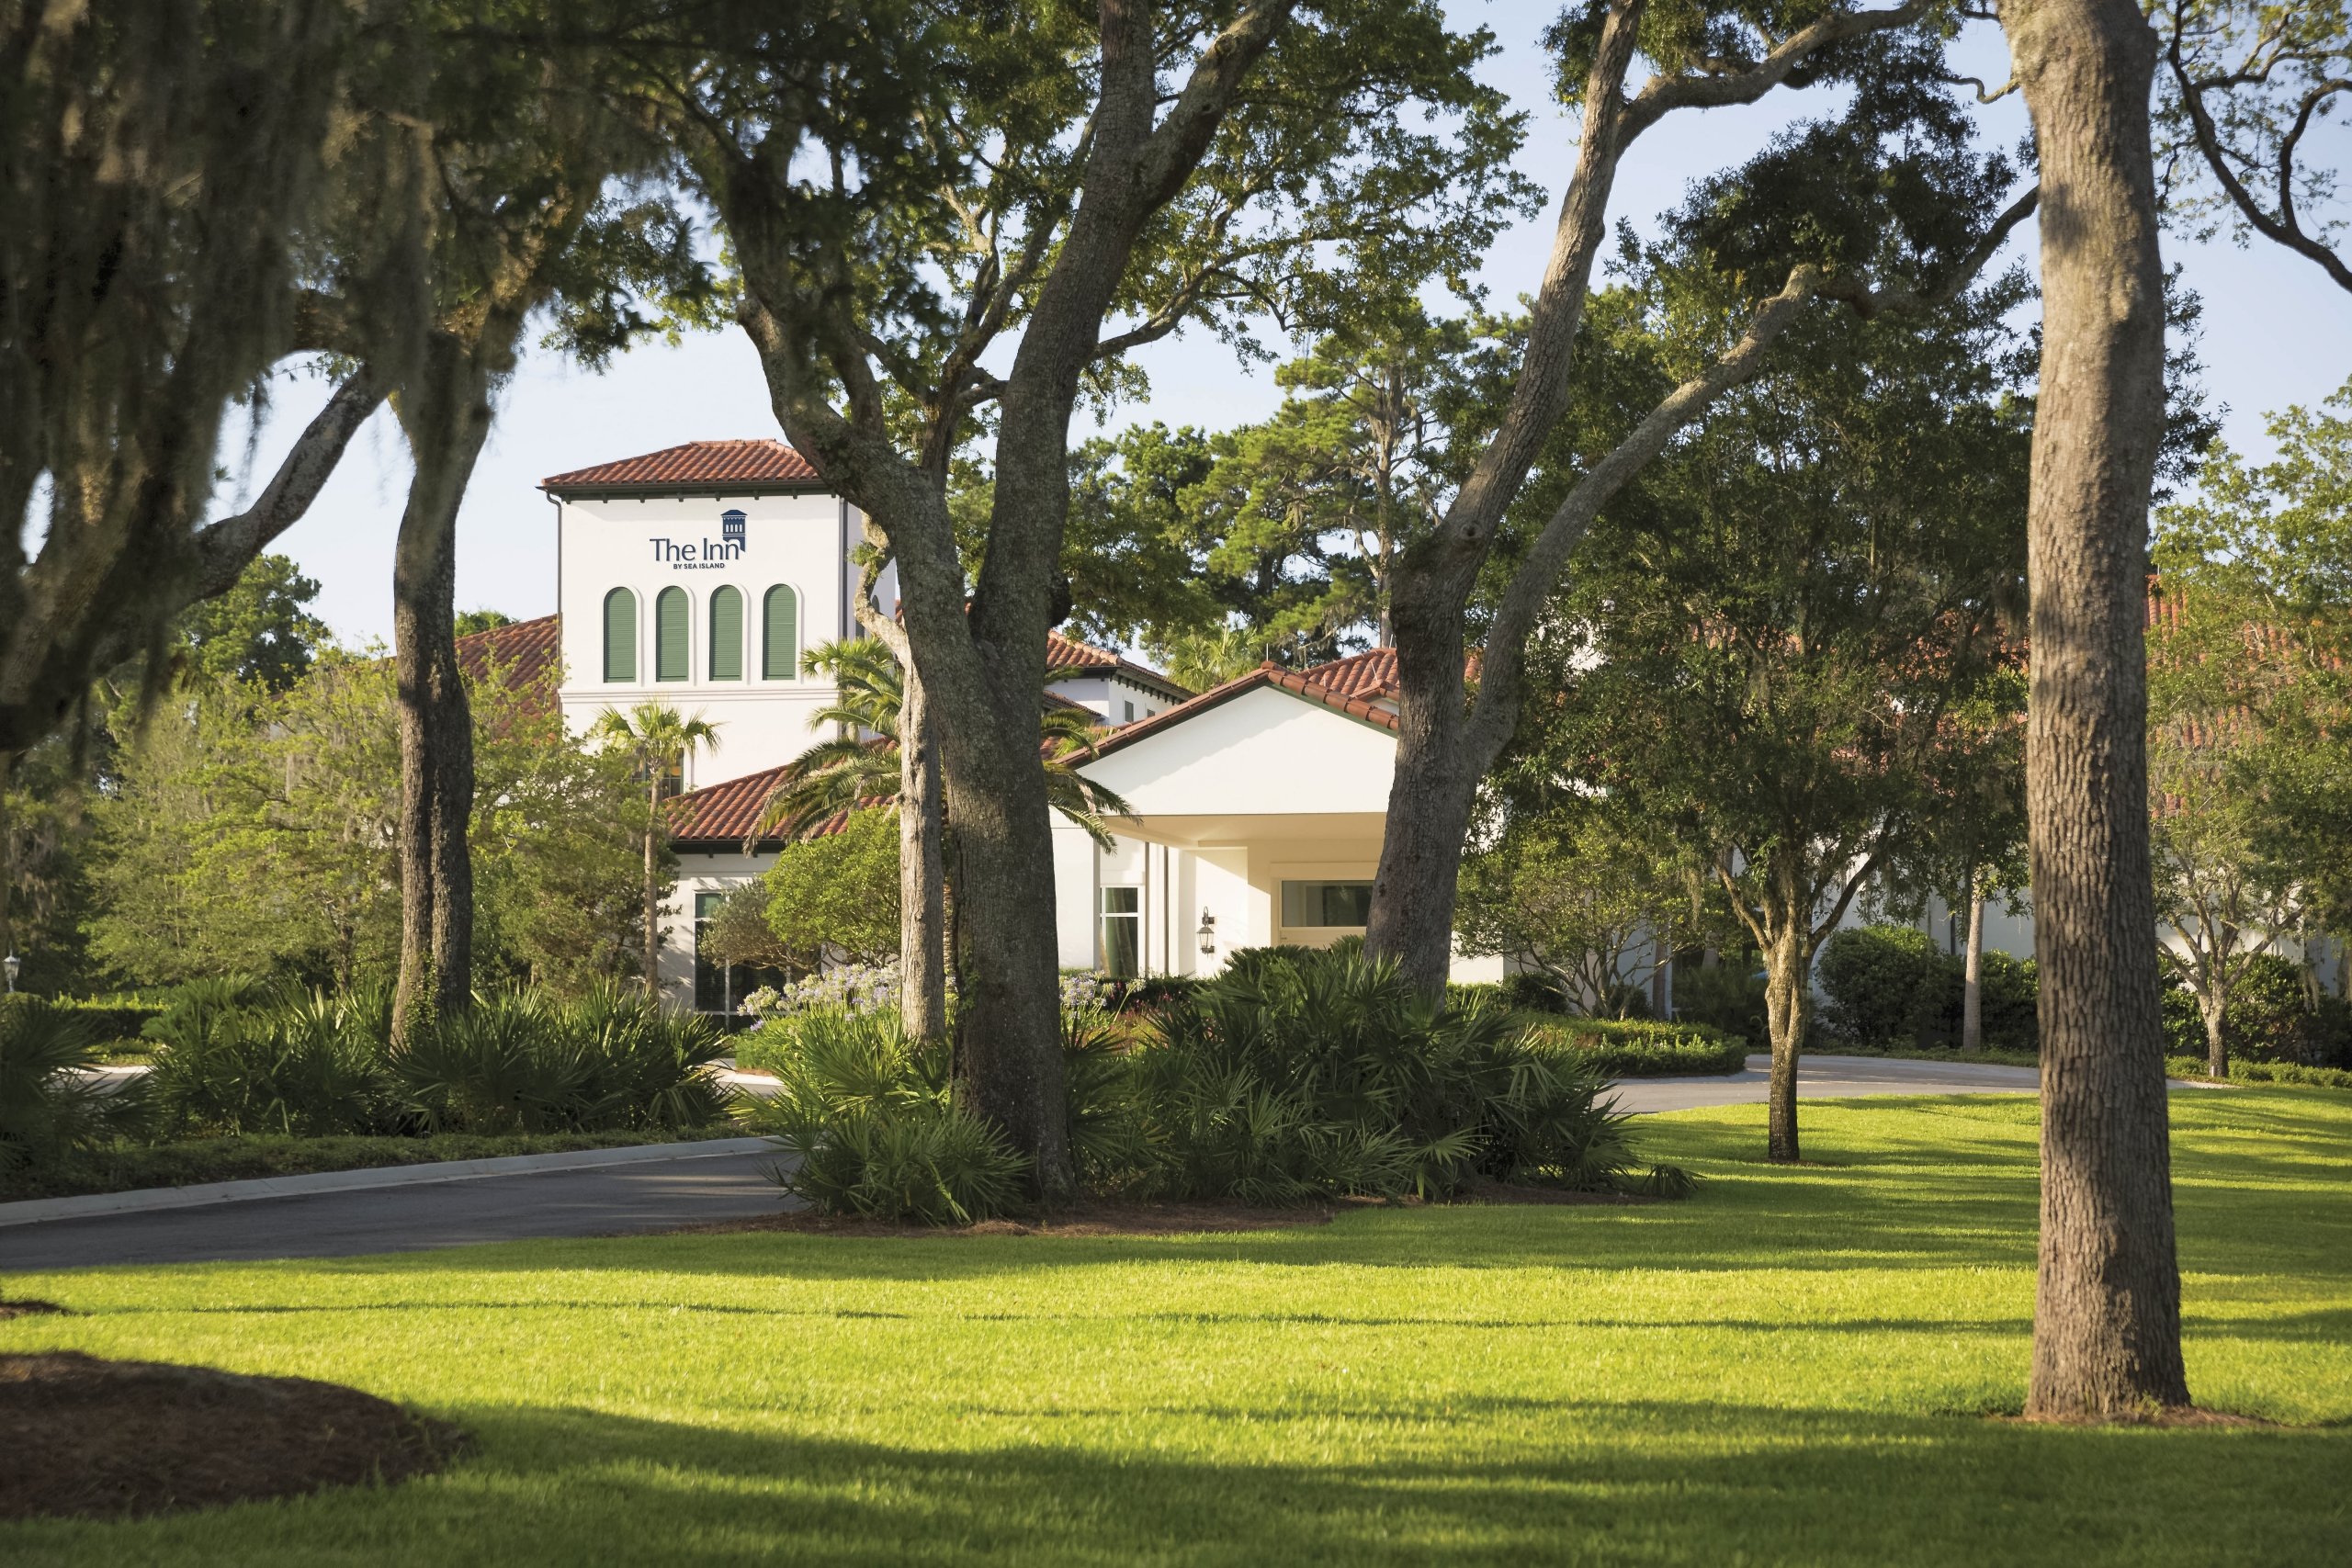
(2275, 333)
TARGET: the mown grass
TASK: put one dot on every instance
(1795, 1366)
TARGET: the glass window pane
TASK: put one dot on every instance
(1347, 904)
(620, 635)
(1122, 936)
(670, 635)
(726, 635)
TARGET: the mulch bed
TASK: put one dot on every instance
(92, 1438)
(1117, 1217)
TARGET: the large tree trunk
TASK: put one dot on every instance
(1788, 1006)
(1439, 763)
(1972, 983)
(446, 419)
(923, 878)
(1007, 1024)
(2106, 1315)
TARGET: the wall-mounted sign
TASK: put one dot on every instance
(696, 555)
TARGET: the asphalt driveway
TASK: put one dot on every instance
(693, 1187)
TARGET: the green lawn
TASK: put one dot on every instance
(1793, 1368)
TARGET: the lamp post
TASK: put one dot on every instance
(12, 963)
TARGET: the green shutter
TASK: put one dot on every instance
(780, 645)
(726, 635)
(670, 659)
(620, 635)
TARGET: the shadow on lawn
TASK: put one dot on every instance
(1653, 1483)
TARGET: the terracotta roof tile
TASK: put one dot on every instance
(528, 655)
(1068, 653)
(722, 816)
(697, 464)
(1294, 681)
(1371, 674)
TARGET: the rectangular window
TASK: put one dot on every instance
(1347, 904)
(719, 986)
(1122, 932)
(710, 975)
(1131, 712)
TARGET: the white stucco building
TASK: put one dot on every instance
(699, 577)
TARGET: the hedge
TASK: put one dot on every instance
(107, 1018)
(1638, 1048)
(2263, 1072)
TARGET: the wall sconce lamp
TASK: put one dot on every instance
(1207, 932)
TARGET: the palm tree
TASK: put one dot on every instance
(859, 766)
(862, 765)
(658, 740)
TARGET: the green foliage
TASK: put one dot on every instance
(49, 1106)
(1300, 1073)
(1585, 895)
(234, 1059)
(838, 896)
(611, 1058)
(105, 1019)
(254, 833)
(2271, 1018)
(1889, 986)
(1881, 984)
(2180, 1066)
(867, 1117)
(1728, 997)
(1635, 1048)
(260, 632)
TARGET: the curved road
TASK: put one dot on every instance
(661, 1194)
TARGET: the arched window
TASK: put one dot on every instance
(726, 634)
(671, 642)
(620, 635)
(780, 634)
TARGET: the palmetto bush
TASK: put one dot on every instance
(867, 1120)
(48, 1102)
(235, 1059)
(311, 1064)
(1300, 1073)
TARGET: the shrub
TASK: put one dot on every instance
(49, 1105)
(867, 1116)
(304, 1065)
(1299, 1074)
(2263, 1072)
(235, 1061)
(1728, 997)
(2269, 1019)
(1636, 1048)
(1882, 985)
(104, 1019)
(1892, 986)
(1532, 990)
(611, 1060)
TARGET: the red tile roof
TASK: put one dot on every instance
(698, 465)
(1371, 673)
(528, 655)
(1068, 653)
(1302, 684)
(723, 816)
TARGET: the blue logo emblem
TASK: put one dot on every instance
(730, 527)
